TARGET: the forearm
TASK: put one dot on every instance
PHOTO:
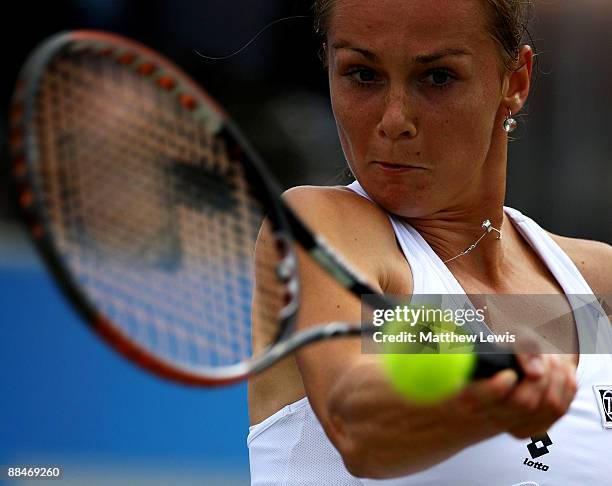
(381, 435)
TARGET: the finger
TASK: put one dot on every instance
(485, 393)
(528, 395)
(532, 364)
(571, 384)
(554, 405)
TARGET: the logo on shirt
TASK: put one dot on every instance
(535, 465)
(603, 395)
(539, 446)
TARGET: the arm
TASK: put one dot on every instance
(377, 433)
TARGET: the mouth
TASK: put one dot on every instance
(390, 167)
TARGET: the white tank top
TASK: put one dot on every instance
(291, 448)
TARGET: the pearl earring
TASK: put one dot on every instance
(510, 123)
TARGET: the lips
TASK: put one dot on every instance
(388, 166)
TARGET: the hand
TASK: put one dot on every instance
(529, 407)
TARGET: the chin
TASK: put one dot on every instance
(403, 198)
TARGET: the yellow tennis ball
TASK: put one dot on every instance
(428, 378)
(422, 372)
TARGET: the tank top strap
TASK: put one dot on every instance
(593, 325)
(430, 275)
(557, 261)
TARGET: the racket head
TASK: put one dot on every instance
(145, 203)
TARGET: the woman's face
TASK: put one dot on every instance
(416, 90)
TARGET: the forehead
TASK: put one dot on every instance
(422, 24)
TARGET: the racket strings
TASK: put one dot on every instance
(153, 217)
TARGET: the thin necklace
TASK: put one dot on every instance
(487, 227)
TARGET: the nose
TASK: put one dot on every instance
(397, 122)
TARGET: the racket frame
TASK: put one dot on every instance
(286, 225)
(24, 153)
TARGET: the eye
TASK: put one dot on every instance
(362, 76)
(439, 78)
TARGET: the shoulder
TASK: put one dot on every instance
(356, 227)
(337, 210)
(328, 198)
(592, 258)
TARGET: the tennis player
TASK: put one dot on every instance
(424, 95)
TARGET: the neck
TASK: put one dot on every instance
(451, 234)
(451, 231)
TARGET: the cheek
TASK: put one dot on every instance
(355, 119)
(345, 143)
(459, 136)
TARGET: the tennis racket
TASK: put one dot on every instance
(146, 202)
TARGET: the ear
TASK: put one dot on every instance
(517, 81)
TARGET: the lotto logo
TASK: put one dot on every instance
(539, 446)
(535, 465)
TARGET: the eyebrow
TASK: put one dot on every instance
(434, 56)
(420, 59)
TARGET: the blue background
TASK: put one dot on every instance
(69, 399)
